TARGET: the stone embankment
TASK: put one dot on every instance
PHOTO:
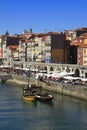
(77, 91)
(68, 89)
(18, 80)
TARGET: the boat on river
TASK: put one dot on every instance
(29, 98)
(33, 92)
(44, 97)
(29, 91)
(27, 95)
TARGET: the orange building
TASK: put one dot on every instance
(81, 44)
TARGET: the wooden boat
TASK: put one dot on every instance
(32, 90)
(44, 97)
(27, 94)
(29, 98)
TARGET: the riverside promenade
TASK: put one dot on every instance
(77, 91)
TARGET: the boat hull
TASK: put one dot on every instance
(29, 98)
(43, 98)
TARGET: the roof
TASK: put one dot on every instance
(80, 41)
(13, 47)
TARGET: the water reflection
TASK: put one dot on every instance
(63, 113)
(36, 103)
(50, 104)
(30, 103)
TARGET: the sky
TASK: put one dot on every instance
(42, 15)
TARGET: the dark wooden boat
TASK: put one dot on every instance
(44, 97)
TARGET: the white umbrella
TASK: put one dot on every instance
(25, 69)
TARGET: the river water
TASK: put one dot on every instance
(64, 113)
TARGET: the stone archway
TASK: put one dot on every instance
(45, 68)
(51, 68)
(77, 73)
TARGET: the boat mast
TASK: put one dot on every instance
(29, 74)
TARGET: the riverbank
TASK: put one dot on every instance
(12, 81)
(20, 81)
(76, 91)
(16, 81)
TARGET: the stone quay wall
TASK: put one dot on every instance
(67, 89)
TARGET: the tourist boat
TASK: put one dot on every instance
(28, 92)
(27, 95)
(44, 97)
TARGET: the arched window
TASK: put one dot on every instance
(77, 73)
